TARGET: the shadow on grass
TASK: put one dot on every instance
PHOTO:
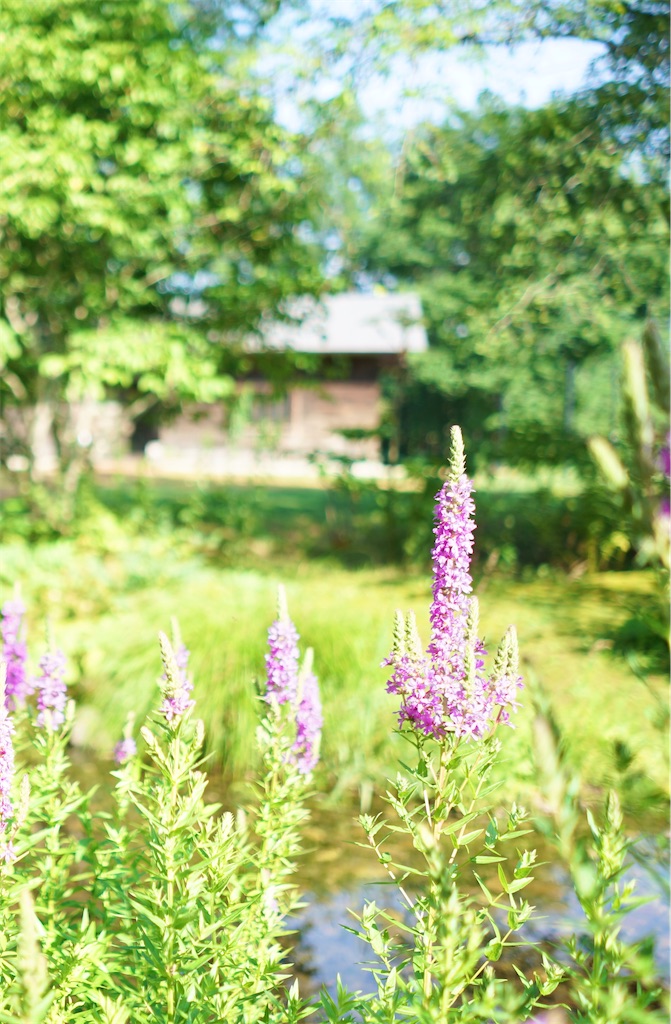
(357, 523)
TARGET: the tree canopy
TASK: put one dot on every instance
(153, 211)
(536, 245)
(631, 81)
(538, 238)
(151, 208)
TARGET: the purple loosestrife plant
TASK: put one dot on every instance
(287, 684)
(283, 655)
(211, 891)
(6, 772)
(443, 972)
(414, 678)
(445, 690)
(309, 718)
(172, 908)
(17, 686)
(176, 684)
(125, 749)
(52, 691)
(162, 902)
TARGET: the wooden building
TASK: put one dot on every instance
(357, 336)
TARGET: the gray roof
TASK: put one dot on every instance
(353, 323)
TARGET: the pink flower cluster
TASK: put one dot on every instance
(445, 690)
(52, 691)
(50, 683)
(125, 749)
(17, 683)
(286, 684)
(309, 723)
(282, 660)
(16, 687)
(177, 692)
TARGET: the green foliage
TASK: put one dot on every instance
(150, 205)
(535, 247)
(444, 971)
(537, 238)
(156, 907)
(108, 589)
(611, 982)
(150, 904)
(439, 961)
(147, 903)
(644, 482)
(550, 519)
(630, 94)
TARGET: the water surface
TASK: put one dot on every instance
(337, 876)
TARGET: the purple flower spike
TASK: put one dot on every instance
(422, 706)
(309, 719)
(17, 685)
(8, 852)
(52, 691)
(452, 582)
(282, 659)
(177, 685)
(414, 678)
(6, 776)
(445, 690)
(285, 685)
(125, 749)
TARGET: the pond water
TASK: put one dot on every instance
(337, 876)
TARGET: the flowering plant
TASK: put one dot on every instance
(443, 955)
(152, 904)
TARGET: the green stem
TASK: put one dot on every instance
(437, 827)
(447, 1004)
(428, 949)
(168, 818)
(408, 899)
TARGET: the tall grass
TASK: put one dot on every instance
(213, 557)
(613, 724)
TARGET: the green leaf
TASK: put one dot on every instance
(518, 884)
(494, 950)
(468, 837)
(490, 899)
(505, 885)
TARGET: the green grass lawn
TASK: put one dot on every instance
(107, 609)
(522, 520)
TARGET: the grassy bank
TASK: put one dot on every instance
(523, 521)
(106, 611)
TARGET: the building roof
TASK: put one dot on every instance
(353, 323)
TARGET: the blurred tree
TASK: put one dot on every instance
(631, 86)
(535, 245)
(639, 472)
(151, 209)
(536, 238)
